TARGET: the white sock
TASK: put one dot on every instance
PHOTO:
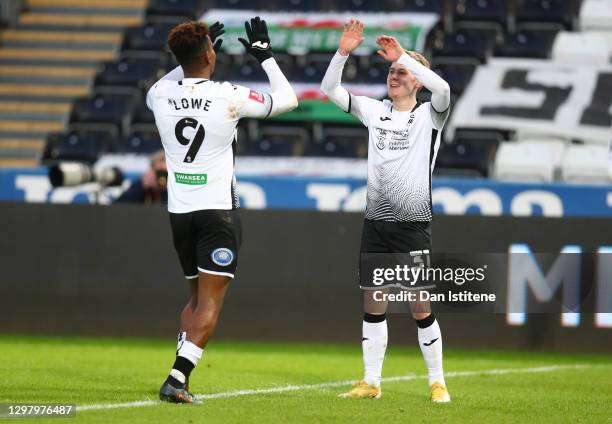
(191, 352)
(374, 345)
(430, 340)
(182, 336)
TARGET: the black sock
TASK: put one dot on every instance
(184, 366)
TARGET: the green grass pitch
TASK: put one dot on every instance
(486, 386)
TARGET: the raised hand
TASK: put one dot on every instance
(214, 31)
(391, 49)
(352, 37)
(259, 40)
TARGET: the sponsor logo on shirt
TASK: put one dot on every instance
(191, 179)
(257, 96)
(394, 139)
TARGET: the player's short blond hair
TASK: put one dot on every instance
(418, 57)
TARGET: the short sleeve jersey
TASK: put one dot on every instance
(402, 150)
(197, 119)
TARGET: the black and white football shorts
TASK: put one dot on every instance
(389, 249)
(207, 241)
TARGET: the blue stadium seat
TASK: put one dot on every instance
(238, 68)
(346, 142)
(481, 10)
(233, 4)
(174, 10)
(553, 11)
(299, 5)
(464, 43)
(140, 143)
(527, 43)
(361, 5)
(430, 6)
(81, 146)
(312, 67)
(458, 76)
(249, 70)
(463, 158)
(223, 66)
(101, 111)
(142, 118)
(276, 140)
(148, 37)
(373, 72)
(127, 73)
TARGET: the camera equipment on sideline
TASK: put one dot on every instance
(74, 173)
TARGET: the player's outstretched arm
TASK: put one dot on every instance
(352, 37)
(392, 51)
(282, 96)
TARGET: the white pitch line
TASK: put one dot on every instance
(282, 389)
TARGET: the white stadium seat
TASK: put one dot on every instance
(580, 48)
(596, 15)
(608, 36)
(553, 146)
(586, 164)
(526, 161)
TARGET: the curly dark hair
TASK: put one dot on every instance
(188, 41)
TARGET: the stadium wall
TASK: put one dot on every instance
(451, 196)
(99, 270)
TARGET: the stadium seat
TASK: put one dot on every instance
(232, 4)
(527, 43)
(140, 143)
(596, 15)
(248, 70)
(361, 5)
(174, 11)
(289, 5)
(286, 62)
(149, 37)
(142, 118)
(430, 6)
(581, 48)
(82, 146)
(482, 135)
(586, 164)
(464, 43)
(555, 148)
(223, 66)
(468, 158)
(481, 10)
(313, 69)
(458, 75)
(374, 70)
(126, 73)
(279, 141)
(493, 32)
(525, 162)
(101, 111)
(347, 142)
(558, 11)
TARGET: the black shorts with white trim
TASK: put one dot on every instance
(390, 249)
(207, 241)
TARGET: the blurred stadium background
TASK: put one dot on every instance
(526, 161)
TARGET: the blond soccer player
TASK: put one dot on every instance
(404, 136)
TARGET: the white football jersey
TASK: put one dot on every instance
(402, 150)
(197, 119)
